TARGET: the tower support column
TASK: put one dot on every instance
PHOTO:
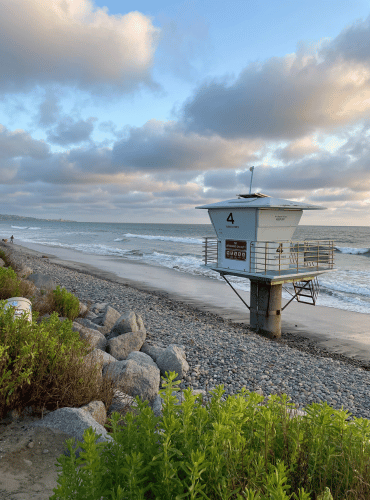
(265, 308)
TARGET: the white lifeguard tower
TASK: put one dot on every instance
(253, 241)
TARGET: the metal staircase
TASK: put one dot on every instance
(308, 290)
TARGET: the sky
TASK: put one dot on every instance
(116, 111)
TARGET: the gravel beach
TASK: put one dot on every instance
(221, 352)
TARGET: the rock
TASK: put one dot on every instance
(24, 271)
(97, 411)
(157, 406)
(42, 281)
(99, 308)
(74, 422)
(121, 403)
(100, 357)
(90, 315)
(110, 317)
(141, 358)
(152, 350)
(128, 322)
(135, 379)
(173, 360)
(121, 346)
(83, 309)
(2, 263)
(94, 337)
(91, 325)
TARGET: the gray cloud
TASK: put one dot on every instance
(18, 143)
(352, 44)
(69, 132)
(49, 111)
(159, 146)
(73, 43)
(288, 97)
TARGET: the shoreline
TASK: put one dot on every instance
(336, 333)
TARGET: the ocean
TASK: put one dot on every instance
(179, 247)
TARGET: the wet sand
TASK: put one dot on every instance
(338, 331)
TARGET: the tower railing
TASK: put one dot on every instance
(280, 257)
(291, 256)
(210, 250)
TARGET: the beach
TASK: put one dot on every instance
(220, 348)
(213, 327)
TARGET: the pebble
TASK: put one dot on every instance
(221, 352)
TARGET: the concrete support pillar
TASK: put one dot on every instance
(265, 312)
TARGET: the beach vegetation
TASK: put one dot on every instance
(43, 365)
(6, 258)
(66, 304)
(239, 447)
(12, 286)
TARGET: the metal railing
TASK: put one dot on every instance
(280, 257)
(210, 250)
(291, 256)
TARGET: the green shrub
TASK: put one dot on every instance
(42, 366)
(236, 449)
(66, 303)
(5, 257)
(12, 286)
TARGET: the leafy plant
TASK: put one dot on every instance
(234, 448)
(12, 286)
(44, 366)
(66, 303)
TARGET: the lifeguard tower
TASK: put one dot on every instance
(253, 241)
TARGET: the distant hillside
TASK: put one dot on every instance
(21, 217)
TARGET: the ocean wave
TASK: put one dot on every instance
(19, 227)
(34, 228)
(353, 251)
(175, 239)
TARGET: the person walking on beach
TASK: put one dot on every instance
(12, 238)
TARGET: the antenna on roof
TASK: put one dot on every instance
(250, 187)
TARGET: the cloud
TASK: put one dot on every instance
(18, 143)
(352, 44)
(164, 146)
(73, 43)
(49, 111)
(297, 149)
(70, 132)
(288, 97)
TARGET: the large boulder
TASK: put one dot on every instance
(99, 307)
(121, 346)
(83, 309)
(141, 358)
(2, 263)
(121, 403)
(90, 324)
(109, 318)
(42, 281)
(135, 378)
(173, 360)
(97, 411)
(128, 322)
(100, 358)
(95, 338)
(152, 350)
(74, 422)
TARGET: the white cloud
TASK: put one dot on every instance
(73, 43)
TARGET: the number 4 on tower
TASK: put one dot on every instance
(230, 218)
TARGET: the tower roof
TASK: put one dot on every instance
(259, 200)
